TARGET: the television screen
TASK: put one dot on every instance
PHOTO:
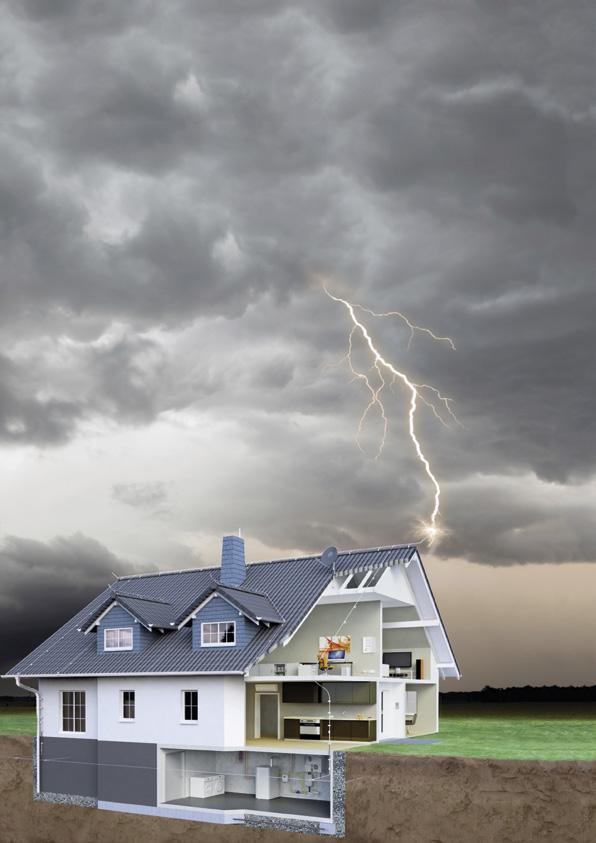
(336, 655)
(398, 659)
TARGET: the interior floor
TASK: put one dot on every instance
(302, 746)
(249, 802)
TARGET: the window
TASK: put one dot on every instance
(117, 639)
(356, 580)
(221, 633)
(190, 706)
(128, 705)
(73, 711)
(374, 577)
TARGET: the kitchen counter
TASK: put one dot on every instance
(342, 728)
(322, 717)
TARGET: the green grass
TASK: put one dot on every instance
(537, 732)
(17, 720)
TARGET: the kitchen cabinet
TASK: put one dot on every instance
(350, 693)
(291, 728)
(341, 730)
(350, 730)
(300, 692)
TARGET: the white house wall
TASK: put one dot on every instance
(158, 711)
(51, 707)
(394, 585)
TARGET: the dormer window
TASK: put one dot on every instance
(218, 634)
(117, 638)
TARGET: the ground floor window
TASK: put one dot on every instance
(128, 705)
(73, 711)
(190, 706)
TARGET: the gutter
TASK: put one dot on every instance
(38, 738)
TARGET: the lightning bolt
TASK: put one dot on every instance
(424, 393)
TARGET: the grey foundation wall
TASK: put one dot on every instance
(127, 772)
(69, 766)
(111, 771)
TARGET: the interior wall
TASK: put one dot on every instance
(239, 769)
(329, 620)
(414, 641)
(303, 709)
(322, 709)
(428, 710)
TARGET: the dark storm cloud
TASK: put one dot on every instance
(435, 159)
(44, 584)
(25, 418)
(49, 389)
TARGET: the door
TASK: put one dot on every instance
(267, 711)
(392, 711)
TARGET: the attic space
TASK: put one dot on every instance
(290, 785)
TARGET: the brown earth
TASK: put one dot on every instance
(389, 798)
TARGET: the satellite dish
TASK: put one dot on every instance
(328, 557)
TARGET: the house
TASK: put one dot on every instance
(230, 694)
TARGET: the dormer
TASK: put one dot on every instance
(231, 614)
(118, 631)
(128, 622)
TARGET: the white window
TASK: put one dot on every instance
(364, 579)
(190, 706)
(218, 634)
(118, 638)
(127, 701)
(356, 580)
(73, 711)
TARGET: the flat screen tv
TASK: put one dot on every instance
(398, 659)
(336, 655)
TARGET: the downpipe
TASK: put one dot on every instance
(35, 691)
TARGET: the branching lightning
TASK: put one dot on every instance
(424, 393)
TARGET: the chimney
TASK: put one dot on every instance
(233, 564)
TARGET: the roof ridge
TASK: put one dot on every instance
(138, 597)
(244, 590)
(271, 561)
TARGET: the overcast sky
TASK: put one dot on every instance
(174, 178)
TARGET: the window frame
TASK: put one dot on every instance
(117, 629)
(363, 584)
(123, 705)
(183, 706)
(82, 718)
(218, 643)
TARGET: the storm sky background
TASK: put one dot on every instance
(173, 179)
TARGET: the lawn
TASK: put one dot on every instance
(17, 720)
(538, 732)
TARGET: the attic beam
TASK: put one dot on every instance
(410, 624)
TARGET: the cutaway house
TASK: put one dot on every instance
(230, 694)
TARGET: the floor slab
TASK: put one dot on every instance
(298, 746)
(249, 802)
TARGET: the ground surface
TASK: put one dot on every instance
(540, 732)
(17, 721)
(389, 798)
(523, 732)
